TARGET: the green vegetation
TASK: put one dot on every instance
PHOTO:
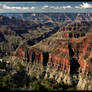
(22, 81)
(4, 81)
(35, 85)
(14, 81)
(20, 66)
(90, 60)
(2, 65)
(86, 56)
(71, 89)
(49, 85)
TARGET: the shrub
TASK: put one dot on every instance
(70, 89)
(21, 67)
(2, 65)
(86, 56)
(4, 81)
(90, 60)
(35, 85)
(51, 84)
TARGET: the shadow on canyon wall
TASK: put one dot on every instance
(44, 36)
(74, 65)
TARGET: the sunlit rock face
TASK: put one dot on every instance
(85, 53)
(31, 55)
(60, 57)
(70, 61)
(63, 57)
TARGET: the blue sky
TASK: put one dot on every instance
(23, 7)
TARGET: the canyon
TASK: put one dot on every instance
(63, 51)
(71, 57)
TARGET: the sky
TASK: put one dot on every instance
(38, 7)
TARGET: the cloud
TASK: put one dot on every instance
(45, 6)
(3, 6)
(81, 6)
(84, 6)
(67, 7)
(57, 7)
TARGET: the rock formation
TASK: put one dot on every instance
(70, 61)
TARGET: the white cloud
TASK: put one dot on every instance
(3, 6)
(51, 8)
(57, 7)
(67, 7)
(84, 6)
(45, 6)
